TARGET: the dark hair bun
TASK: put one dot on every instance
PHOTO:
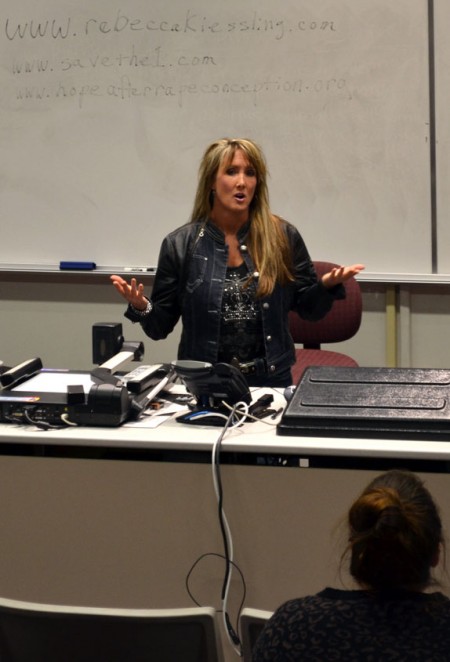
(395, 531)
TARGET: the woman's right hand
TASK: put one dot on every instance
(132, 292)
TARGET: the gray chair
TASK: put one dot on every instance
(33, 632)
(251, 623)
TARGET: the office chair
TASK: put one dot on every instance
(251, 623)
(33, 632)
(340, 323)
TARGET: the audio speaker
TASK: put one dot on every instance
(107, 340)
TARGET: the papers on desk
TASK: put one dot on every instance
(152, 418)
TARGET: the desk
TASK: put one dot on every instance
(77, 527)
(247, 444)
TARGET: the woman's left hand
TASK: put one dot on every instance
(339, 275)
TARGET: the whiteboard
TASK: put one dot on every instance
(106, 109)
(442, 18)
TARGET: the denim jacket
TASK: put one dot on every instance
(189, 284)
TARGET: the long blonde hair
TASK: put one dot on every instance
(267, 242)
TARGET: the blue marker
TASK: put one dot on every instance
(77, 266)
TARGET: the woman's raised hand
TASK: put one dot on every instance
(341, 274)
(133, 292)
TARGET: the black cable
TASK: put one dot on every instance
(42, 425)
(220, 556)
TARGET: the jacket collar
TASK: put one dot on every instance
(217, 234)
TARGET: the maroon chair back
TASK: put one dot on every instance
(340, 323)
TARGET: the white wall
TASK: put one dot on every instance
(46, 317)
(52, 317)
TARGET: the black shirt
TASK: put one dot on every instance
(241, 334)
(358, 626)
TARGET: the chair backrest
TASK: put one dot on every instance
(340, 323)
(33, 632)
(251, 623)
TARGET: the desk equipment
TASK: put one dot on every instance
(392, 403)
(213, 387)
(141, 378)
(102, 397)
(213, 384)
(20, 372)
(51, 398)
(110, 349)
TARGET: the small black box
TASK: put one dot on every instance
(387, 403)
(107, 340)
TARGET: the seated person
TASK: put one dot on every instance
(395, 540)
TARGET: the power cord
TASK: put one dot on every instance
(42, 425)
(219, 556)
(236, 417)
(226, 534)
(245, 414)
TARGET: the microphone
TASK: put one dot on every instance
(289, 392)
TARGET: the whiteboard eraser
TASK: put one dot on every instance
(77, 266)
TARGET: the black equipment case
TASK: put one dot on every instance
(388, 403)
